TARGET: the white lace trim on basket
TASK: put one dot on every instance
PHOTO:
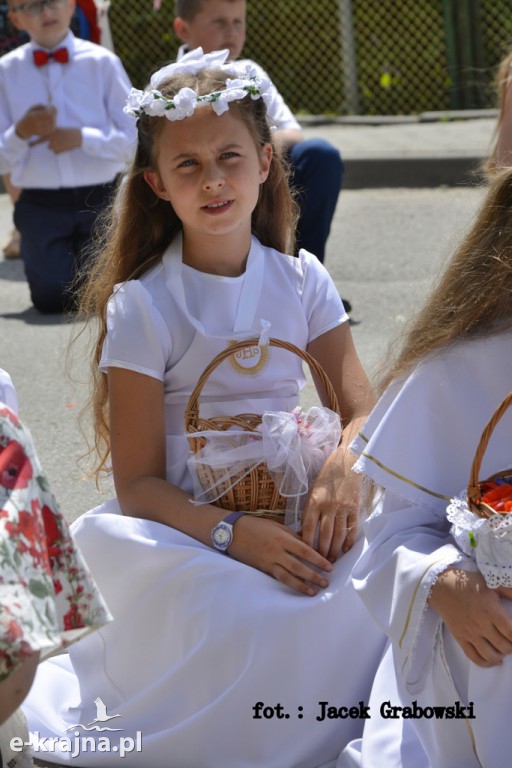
(487, 540)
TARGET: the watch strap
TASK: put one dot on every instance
(232, 518)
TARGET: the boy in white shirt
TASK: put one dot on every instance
(64, 138)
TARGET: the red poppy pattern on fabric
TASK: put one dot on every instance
(48, 597)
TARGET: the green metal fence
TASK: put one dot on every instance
(346, 57)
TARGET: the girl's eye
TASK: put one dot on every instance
(229, 155)
(186, 163)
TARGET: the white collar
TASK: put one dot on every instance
(251, 290)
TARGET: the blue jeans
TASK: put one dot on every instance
(317, 173)
(56, 228)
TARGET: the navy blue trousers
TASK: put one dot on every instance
(317, 174)
(56, 226)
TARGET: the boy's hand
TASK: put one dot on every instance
(64, 139)
(40, 120)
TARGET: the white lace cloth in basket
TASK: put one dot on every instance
(292, 445)
(487, 540)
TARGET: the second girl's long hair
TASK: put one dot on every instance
(473, 296)
(136, 230)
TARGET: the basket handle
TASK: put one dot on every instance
(192, 409)
(473, 486)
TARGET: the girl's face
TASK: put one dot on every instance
(210, 170)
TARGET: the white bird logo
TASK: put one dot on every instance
(101, 713)
(101, 717)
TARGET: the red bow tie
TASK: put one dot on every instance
(43, 57)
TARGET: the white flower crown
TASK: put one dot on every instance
(152, 102)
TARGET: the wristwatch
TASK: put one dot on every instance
(222, 533)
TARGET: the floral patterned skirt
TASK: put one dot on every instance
(48, 598)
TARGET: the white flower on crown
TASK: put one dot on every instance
(246, 80)
(185, 103)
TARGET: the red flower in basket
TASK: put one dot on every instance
(15, 468)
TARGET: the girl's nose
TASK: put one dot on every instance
(213, 180)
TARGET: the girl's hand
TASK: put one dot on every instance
(474, 614)
(333, 505)
(274, 549)
(333, 509)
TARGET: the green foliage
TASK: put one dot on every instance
(143, 39)
(405, 61)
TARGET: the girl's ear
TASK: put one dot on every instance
(265, 160)
(155, 182)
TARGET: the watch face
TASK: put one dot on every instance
(222, 536)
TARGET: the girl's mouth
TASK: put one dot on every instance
(218, 207)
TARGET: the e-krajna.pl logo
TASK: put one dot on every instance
(76, 743)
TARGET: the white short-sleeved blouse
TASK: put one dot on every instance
(171, 323)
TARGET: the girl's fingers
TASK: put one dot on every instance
(352, 531)
(489, 654)
(338, 533)
(477, 658)
(298, 585)
(306, 556)
(309, 525)
(326, 531)
(501, 642)
(299, 576)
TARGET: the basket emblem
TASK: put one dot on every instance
(251, 360)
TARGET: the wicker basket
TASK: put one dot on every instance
(255, 492)
(474, 492)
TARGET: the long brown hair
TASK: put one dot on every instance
(136, 230)
(473, 296)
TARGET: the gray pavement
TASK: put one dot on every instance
(386, 244)
(423, 151)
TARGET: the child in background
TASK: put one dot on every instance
(47, 596)
(317, 168)
(451, 635)
(194, 258)
(90, 23)
(12, 243)
(10, 38)
(85, 21)
(102, 11)
(64, 139)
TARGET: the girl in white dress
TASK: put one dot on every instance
(212, 660)
(450, 634)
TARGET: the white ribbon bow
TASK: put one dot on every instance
(292, 445)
